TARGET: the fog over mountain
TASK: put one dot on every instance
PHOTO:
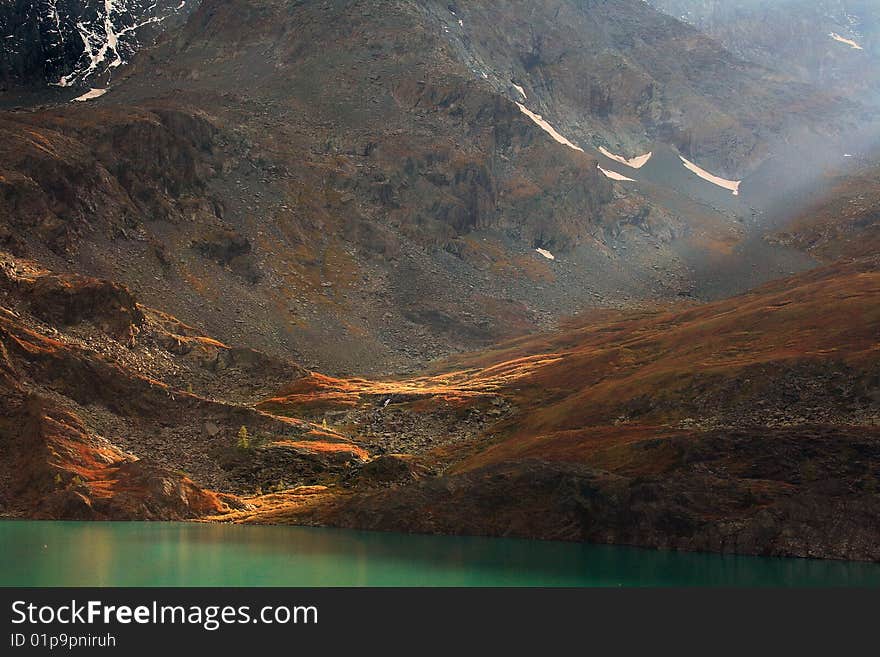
(831, 43)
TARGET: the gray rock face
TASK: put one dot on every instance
(68, 42)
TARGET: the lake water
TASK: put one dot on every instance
(187, 554)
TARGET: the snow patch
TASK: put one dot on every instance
(614, 175)
(546, 254)
(732, 185)
(90, 95)
(522, 92)
(849, 42)
(546, 127)
(635, 163)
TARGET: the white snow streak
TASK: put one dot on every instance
(849, 42)
(635, 163)
(546, 254)
(522, 92)
(614, 175)
(732, 185)
(549, 129)
(56, 19)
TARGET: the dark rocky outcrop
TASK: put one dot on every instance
(106, 172)
(41, 43)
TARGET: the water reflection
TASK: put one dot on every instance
(179, 554)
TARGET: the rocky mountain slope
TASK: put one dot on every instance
(372, 205)
(106, 401)
(748, 425)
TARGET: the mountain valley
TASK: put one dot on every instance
(564, 270)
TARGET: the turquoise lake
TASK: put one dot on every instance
(189, 554)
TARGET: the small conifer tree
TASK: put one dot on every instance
(244, 439)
